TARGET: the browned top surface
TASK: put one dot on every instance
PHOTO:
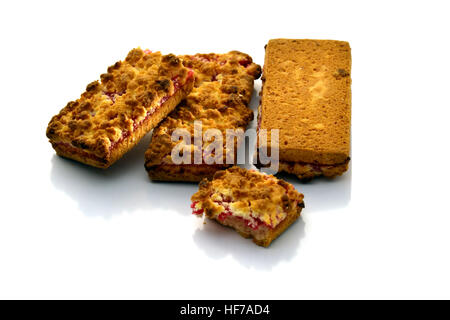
(306, 94)
(249, 194)
(127, 93)
(220, 98)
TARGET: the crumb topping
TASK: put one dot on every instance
(256, 197)
(116, 105)
(220, 98)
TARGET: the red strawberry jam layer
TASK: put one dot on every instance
(245, 63)
(136, 124)
(195, 211)
(254, 224)
(177, 86)
(113, 95)
(69, 148)
(125, 134)
(176, 80)
(315, 166)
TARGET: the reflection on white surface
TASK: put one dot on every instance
(323, 194)
(124, 187)
(68, 231)
(219, 242)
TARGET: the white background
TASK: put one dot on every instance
(380, 231)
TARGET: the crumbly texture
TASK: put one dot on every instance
(253, 203)
(181, 172)
(113, 114)
(306, 95)
(220, 98)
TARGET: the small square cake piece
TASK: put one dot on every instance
(255, 204)
(113, 114)
(306, 94)
(220, 99)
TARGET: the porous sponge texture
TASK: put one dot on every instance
(307, 96)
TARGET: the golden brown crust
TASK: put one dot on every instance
(69, 151)
(113, 114)
(306, 95)
(266, 204)
(220, 98)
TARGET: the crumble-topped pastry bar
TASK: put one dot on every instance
(113, 114)
(220, 98)
(255, 204)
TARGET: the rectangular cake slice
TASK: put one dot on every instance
(255, 204)
(113, 114)
(219, 100)
(306, 95)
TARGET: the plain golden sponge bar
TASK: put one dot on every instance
(307, 96)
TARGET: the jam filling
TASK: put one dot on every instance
(71, 149)
(254, 225)
(225, 203)
(195, 211)
(177, 86)
(245, 63)
(258, 119)
(315, 166)
(112, 95)
(192, 165)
